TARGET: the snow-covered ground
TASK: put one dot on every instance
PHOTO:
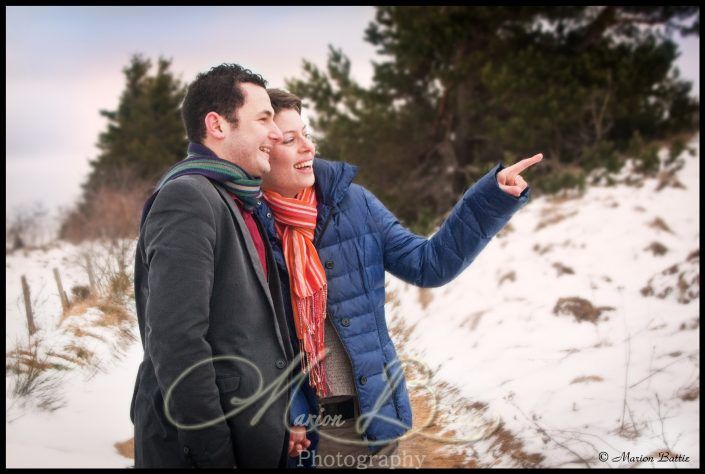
(619, 384)
(90, 402)
(627, 382)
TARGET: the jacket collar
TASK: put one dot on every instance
(333, 178)
(199, 149)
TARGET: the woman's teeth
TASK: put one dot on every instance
(265, 149)
(303, 164)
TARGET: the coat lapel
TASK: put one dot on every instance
(254, 258)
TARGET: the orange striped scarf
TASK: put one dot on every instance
(295, 221)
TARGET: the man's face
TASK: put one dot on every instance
(249, 143)
(292, 158)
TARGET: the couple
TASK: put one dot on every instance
(259, 287)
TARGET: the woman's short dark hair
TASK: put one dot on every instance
(283, 100)
(217, 90)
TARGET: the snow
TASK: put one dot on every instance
(94, 399)
(81, 434)
(502, 344)
(492, 336)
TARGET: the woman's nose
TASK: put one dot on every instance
(308, 144)
(275, 134)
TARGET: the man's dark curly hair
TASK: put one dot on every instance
(217, 90)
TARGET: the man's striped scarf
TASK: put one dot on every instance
(201, 160)
(295, 221)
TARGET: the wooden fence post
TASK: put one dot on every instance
(91, 276)
(28, 307)
(62, 294)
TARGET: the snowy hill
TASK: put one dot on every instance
(577, 328)
(578, 325)
(76, 413)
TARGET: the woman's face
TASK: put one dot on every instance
(291, 160)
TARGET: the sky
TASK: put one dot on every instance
(64, 65)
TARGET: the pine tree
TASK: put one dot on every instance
(461, 88)
(144, 135)
(143, 138)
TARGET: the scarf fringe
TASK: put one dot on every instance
(312, 343)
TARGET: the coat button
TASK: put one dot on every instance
(329, 264)
(186, 450)
(363, 380)
(259, 203)
(345, 322)
(269, 215)
(280, 364)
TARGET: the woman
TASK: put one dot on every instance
(333, 241)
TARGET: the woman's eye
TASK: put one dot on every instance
(288, 140)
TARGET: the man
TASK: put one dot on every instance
(209, 303)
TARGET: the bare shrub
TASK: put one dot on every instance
(507, 444)
(126, 448)
(27, 228)
(552, 216)
(580, 308)
(511, 276)
(659, 224)
(393, 298)
(114, 314)
(120, 284)
(667, 178)
(425, 297)
(587, 378)
(108, 265)
(111, 212)
(473, 320)
(506, 230)
(691, 325)
(690, 393)
(33, 376)
(85, 356)
(563, 269)
(80, 293)
(681, 280)
(542, 250)
(657, 248)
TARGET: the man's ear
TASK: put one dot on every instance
(215, 125)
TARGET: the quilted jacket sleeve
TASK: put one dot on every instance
(429, 262)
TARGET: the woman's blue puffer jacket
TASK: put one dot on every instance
(357, 239)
